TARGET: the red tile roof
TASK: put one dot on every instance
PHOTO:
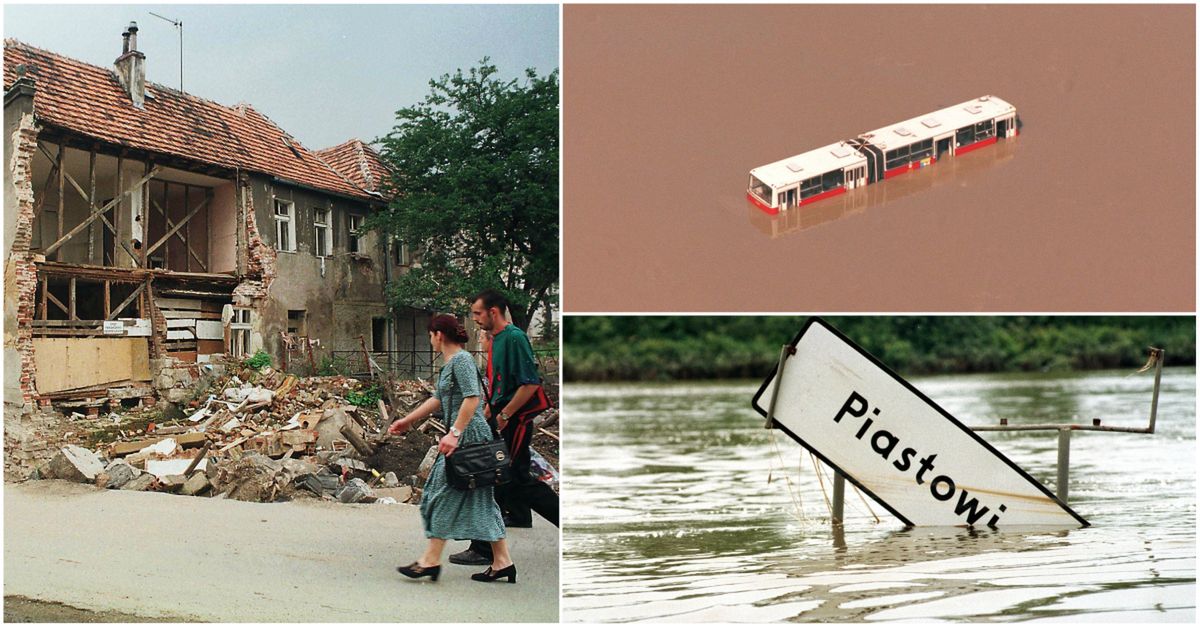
(357, 162)
(89, 100)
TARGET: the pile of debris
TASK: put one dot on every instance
(268, 436)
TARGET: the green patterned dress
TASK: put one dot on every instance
(449, 513)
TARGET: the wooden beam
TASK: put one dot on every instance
(57, 302)
(117, 213)
(92, 206)
(107, 298)
(145, 220)
(45, 292)
(95, 214)
(167, 219)
(190, 250)
(61, 199)
(187, 231)
(112, 315)
(176, 228)
(208, 225)
(71, 300)
(49, 177)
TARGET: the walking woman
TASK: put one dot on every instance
(449, 513)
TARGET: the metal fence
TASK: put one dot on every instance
(413, 363)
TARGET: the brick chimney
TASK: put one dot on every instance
(131, 67)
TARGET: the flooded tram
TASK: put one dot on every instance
(881, 154)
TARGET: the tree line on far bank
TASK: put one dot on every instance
(663, 348)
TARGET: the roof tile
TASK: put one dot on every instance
(89, 100)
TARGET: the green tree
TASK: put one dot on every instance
(475, 191)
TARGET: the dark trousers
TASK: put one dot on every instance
(525, 494)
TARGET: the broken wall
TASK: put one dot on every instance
(20, 272)
(339, 294)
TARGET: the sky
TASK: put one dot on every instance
(324, 73)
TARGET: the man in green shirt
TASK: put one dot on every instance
(515, 396)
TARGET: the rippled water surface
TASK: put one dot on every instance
(681, 507)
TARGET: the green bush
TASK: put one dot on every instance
(368, 397)
(259, 361)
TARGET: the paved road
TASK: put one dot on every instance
(183, 558)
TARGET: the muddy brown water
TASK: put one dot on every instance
(680, 507)
(667, 108)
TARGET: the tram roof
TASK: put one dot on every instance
(939, 122)
(809, 164)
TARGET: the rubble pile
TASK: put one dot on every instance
(263, 436)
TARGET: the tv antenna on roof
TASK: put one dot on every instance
(178, 24)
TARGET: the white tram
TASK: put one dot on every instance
(881, 154)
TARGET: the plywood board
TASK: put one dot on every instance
(177, 303)
(209, 347)
(210, 330)
(70, 363)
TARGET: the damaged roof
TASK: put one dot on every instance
(89, 100)
(357, 162)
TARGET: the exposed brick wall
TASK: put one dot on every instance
(260, 266)
(21, 266)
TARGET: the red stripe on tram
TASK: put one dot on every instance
(966, 149)
(758, 203)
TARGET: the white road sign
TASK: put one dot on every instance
(896, 444)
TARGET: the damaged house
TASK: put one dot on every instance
(149, 231)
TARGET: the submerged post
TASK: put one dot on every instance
(1064, 463)
(839, 498)
(1160, 355)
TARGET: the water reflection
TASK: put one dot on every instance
(682, 508)
(962, 170)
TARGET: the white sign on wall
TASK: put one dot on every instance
(896, 444)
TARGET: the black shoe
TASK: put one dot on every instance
(492, 575)
(415, 571)
(470, 558)
(513, 523)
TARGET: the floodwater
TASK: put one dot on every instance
(681, 507)
(667, 108)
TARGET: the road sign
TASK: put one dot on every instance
(896, 444)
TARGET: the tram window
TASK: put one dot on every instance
(760, 189)
(810, 187)
(922, 150)
(965, 135)
(984, 130)
(832, 180)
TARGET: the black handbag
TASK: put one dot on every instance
(478, 465)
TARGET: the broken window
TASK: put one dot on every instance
(381, 334)
(354, 243)
(295, 324)
(285, 226)
(323, 235)
(239, 332)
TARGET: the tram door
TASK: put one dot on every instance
(1002, 128)
(787, 199)
(943, 146)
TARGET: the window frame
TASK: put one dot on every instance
(354, 238)
(285, 223)
(322, 232)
